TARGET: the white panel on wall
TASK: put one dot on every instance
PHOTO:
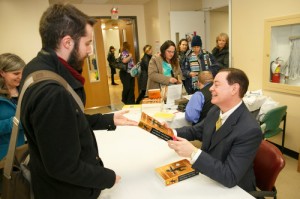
(187, 22)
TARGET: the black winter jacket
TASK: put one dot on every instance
(222, 57)
(143, 78)
(64, 160)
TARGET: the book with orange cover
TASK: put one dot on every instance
(154, 93)
(151, 101)
(153, 126)
(176, 172)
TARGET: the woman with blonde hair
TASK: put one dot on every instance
(221, 51)
(11, 67)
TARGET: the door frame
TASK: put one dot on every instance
(135, 33)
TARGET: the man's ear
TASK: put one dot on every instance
(235, 88)
(67, 42)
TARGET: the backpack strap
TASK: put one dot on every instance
(33, 78)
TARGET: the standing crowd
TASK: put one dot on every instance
(172, 65)
(64, 160)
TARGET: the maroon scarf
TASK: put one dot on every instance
(74, 72)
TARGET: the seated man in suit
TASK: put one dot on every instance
(230, 135)
(199, 104)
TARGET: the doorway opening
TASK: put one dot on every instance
(114, 33)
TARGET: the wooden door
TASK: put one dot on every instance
(97, 92)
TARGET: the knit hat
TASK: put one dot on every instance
(196, 41)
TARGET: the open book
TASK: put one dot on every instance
(155, 127)
(175, 172)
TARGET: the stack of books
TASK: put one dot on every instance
(154, 93)
(175, 172)
(151, 101)
(151, 105)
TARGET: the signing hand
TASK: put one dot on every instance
(121, 120)
(182, 147)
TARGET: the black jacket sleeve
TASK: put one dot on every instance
(101, 122)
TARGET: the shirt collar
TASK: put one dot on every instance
(225, 115)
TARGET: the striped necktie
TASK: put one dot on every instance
(218, 123)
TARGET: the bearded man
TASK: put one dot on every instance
(64, 160)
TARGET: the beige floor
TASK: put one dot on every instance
(288, 181)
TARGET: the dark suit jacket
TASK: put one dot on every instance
(227, 155)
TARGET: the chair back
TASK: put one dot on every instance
(273, 118)
(268, 163)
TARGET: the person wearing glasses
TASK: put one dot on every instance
(164, 68)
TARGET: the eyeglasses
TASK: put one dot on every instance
(170, 51)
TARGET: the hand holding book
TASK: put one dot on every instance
(173, 172)
(182, 147)
(155, 127)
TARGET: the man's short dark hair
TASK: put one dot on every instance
(205, 77)
(237, 76)
(60, 20)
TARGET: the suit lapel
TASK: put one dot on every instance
(210, 121)
(227, 127)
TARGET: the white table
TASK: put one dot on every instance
(134, 154)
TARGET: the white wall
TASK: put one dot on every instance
(212, 4)
(216, 22)
(186, 5)
(164, 20)
(184, 22)
(157, 18)
(247, 51)
(19, 21)
(152, 24)
(219, 22)
(124, 10)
